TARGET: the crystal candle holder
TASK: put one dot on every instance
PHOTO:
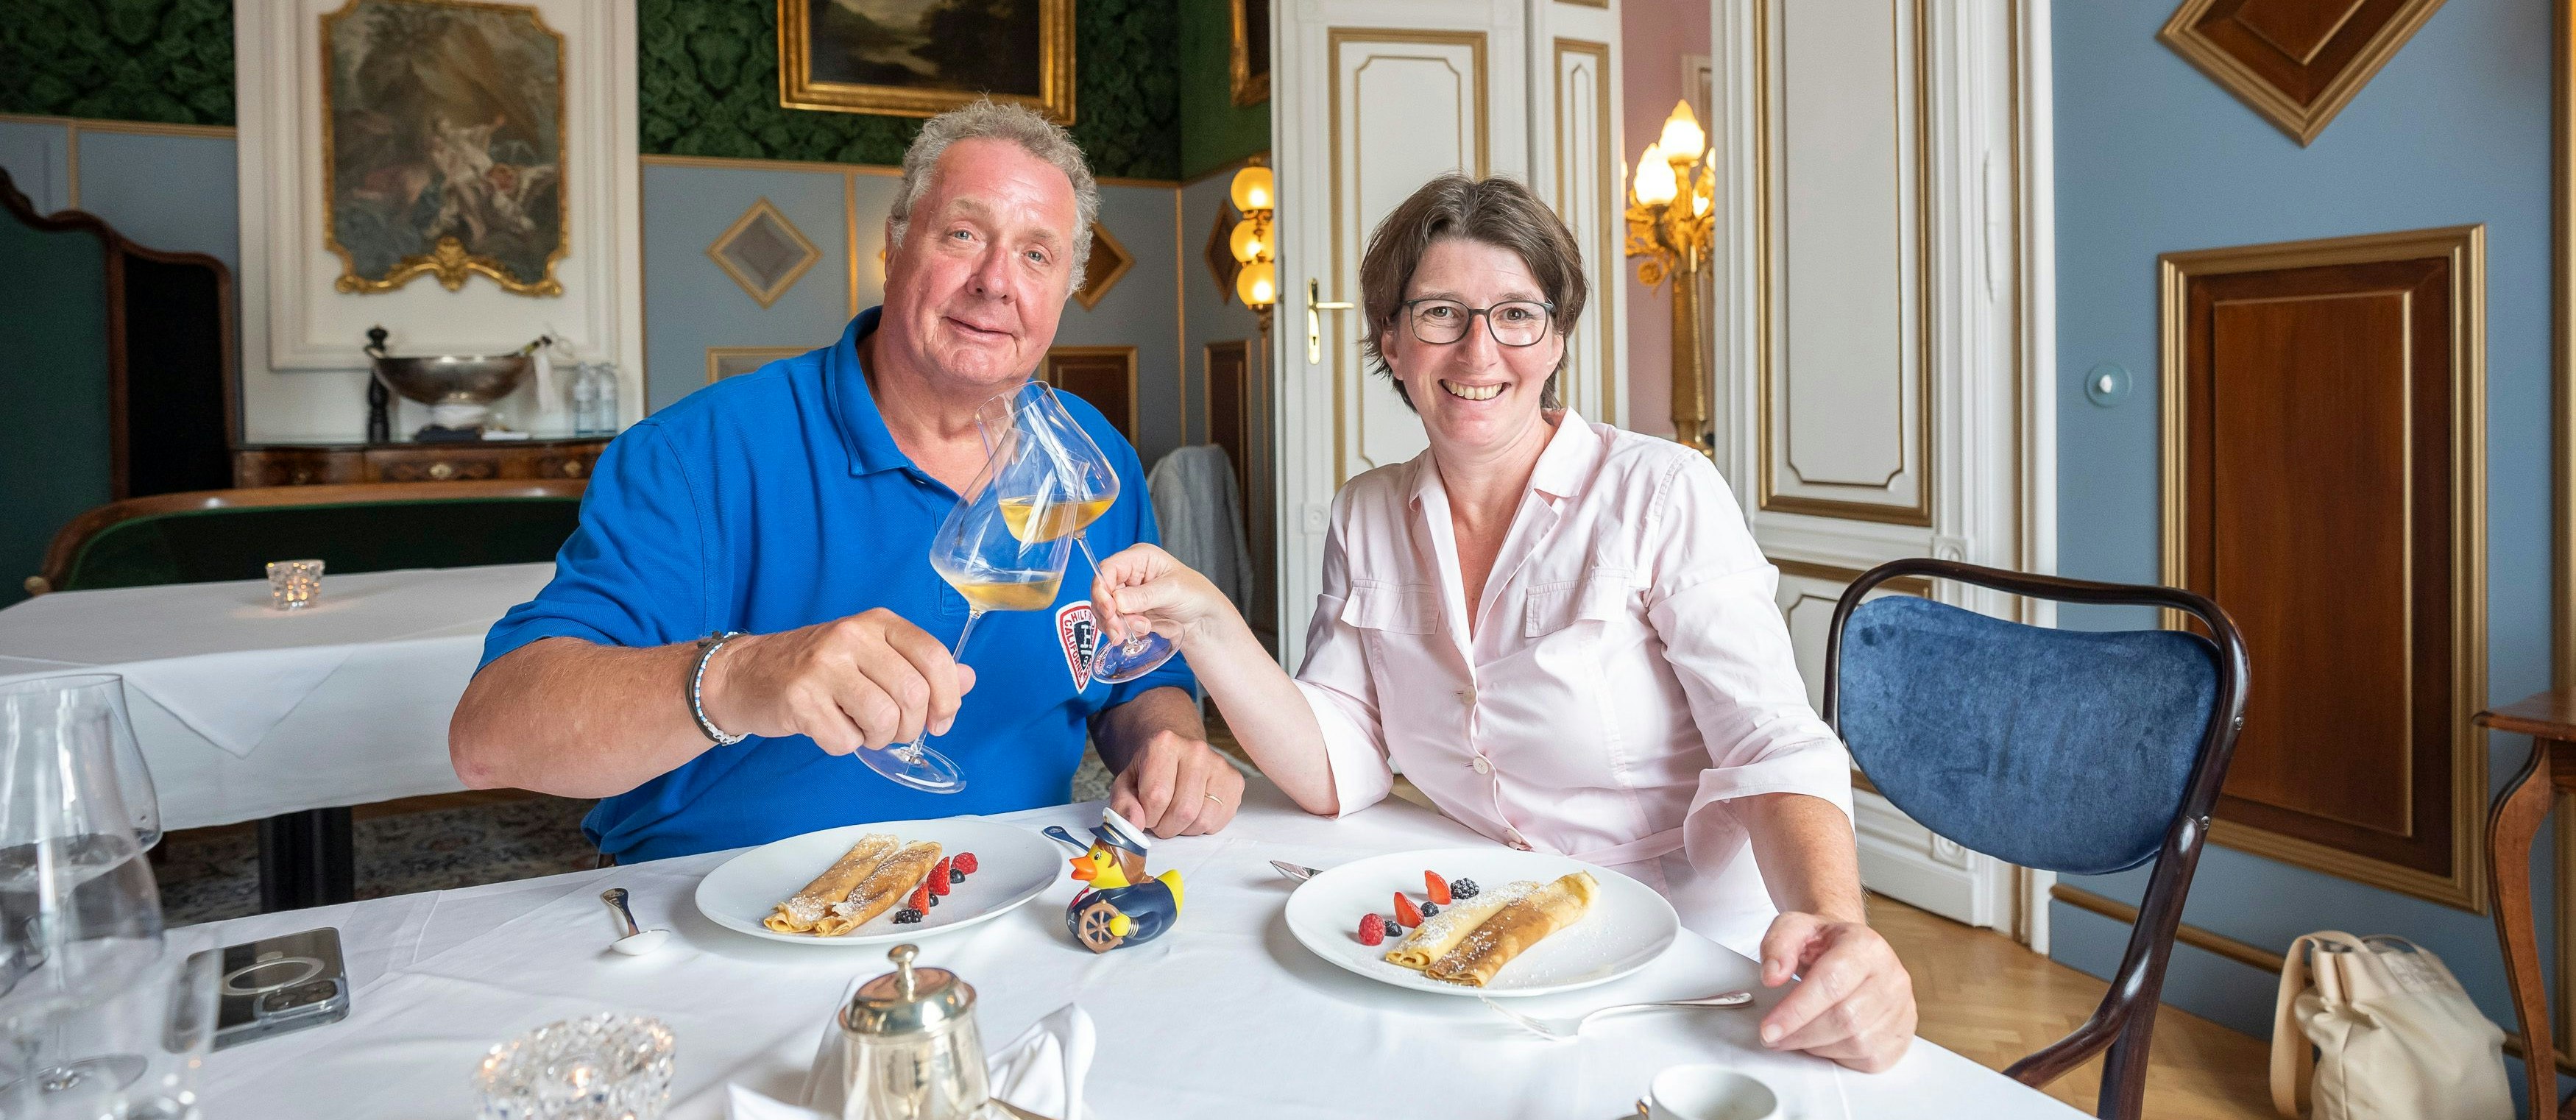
(603, 1067)
(294, 584)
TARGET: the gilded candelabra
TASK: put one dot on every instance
(1670, 215)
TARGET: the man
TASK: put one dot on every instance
(795, 505)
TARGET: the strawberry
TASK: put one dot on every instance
(920, 898)
(1405, 913)
(964, 861)
(1372, 930)
(1439, 888)
(939, 877)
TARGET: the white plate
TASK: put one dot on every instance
(1628, 926)
(1012, 866)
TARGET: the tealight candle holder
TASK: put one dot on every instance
(294, 584)
(601, 1067)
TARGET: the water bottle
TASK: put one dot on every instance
(606, 396)
(585, 400)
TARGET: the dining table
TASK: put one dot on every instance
(285, 717)
(1227, 1014)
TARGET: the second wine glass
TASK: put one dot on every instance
(988, 551)
(1089, 483)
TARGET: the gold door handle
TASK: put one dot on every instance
(1315, 306)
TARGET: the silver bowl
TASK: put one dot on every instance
(452, 379)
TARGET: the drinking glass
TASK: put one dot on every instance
(1089, 485)
(989, 551)
(603, 1067)
(98, 1016)
(294, 584)
(78, 696)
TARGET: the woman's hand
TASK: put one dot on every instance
(1854, 1003)
(1144, 588)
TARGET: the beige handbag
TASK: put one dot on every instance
(2396, 1037)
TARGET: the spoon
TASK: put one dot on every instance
(638, 940)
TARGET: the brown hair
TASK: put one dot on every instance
(1497, 212)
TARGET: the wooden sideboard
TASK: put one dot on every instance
(312, 464)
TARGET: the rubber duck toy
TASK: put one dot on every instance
(1120, 906)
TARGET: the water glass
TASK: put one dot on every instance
(603, 1067)
(294, 584)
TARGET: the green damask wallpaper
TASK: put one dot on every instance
(169, 61)
(709, 85)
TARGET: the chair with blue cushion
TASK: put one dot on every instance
(1980, 729)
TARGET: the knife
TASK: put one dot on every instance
(1301, 874)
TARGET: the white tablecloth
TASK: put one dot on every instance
(245, 712)
(1224, 1016)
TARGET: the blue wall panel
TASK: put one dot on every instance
(37, 155)
(176, 193)
(2153, 157)
(691, 304)
(1142, 310)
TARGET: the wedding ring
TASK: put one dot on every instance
(1214, 798)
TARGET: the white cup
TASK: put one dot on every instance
(1709, 1093)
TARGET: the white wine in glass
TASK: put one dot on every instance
(1088, 485)
(984, 551)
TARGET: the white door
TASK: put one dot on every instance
(1882, 345)
(1369, 100)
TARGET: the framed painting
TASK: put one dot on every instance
(443, 145)
(921, 58)
(1251, 52)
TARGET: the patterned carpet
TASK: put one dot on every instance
(209, 874)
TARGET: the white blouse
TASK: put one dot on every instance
(1628, 673)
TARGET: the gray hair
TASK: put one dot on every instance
(988, 120)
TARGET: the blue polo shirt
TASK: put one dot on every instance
(778, 499)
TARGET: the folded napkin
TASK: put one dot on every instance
(1040, 1072)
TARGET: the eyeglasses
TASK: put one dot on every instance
(1517, 322)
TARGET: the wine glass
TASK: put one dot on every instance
(1090, 485)
(105, 692)
(99, 1016)
(988, 551)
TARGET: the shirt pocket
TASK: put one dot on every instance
(1601, 595)
(1392, 608)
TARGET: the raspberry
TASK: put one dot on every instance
(1405, 914)
(1439, 890)
(1372, 930)
(920, 898)
(965, 861)
(939, 877)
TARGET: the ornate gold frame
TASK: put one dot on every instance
(449, 261)
(798, 89)
(1249, 89)
(2466, 884)
(1089, 295)
(2302, 122)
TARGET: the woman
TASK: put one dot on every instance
(1562, 632)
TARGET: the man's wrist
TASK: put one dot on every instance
(708, 678)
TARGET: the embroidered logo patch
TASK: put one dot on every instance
(1080, 636)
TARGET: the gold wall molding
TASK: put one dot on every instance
(2464, 885)
(2251, 61)
(744, 359)
(1057, 356)
(1769, 357)
(1606, 160)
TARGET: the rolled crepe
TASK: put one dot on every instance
(1442, 932)
(883, 887)
(1520, 924)
(808, 906)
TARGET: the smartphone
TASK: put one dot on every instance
(276, 985)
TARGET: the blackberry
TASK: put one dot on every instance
(906, 916)
(1462, 889)
(956, 876)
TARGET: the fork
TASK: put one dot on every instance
(1560, 1029)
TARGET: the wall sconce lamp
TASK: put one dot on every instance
(1669, 223)
(1256, 195)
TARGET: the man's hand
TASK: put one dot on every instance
(1854, 1003)
(870, 680)
(1177, 786)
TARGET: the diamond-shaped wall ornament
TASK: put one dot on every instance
(764, 252)
(1220, 253)
(2297, 62)
(1109, 261)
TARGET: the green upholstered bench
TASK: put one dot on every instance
(208, 535)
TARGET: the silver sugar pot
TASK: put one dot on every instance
(909, 1047)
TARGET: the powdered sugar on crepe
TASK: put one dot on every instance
(1440, 925)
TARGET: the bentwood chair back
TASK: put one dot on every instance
(2078, 752)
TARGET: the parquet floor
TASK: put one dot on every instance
(1993, 1001)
